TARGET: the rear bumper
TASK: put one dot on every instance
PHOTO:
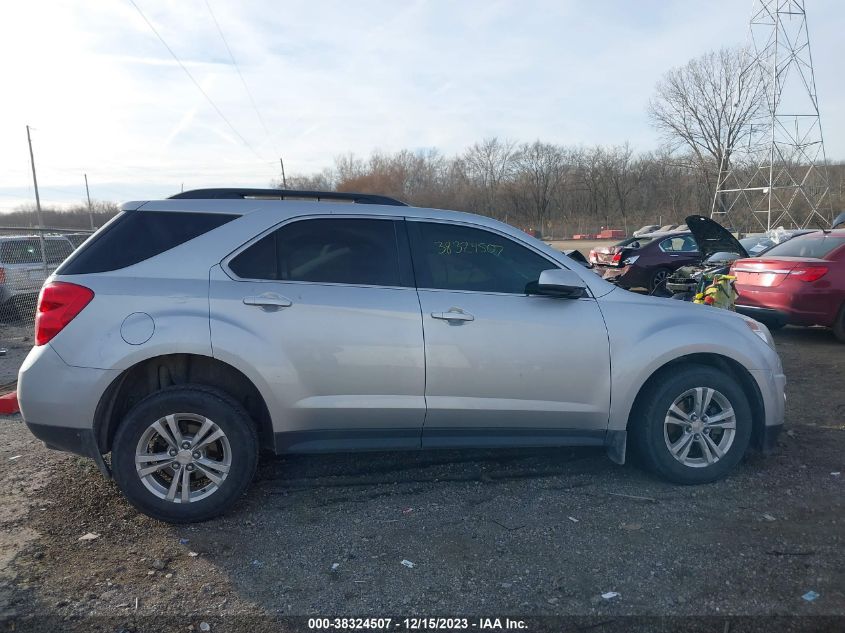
(58, 401)
(625, 276)
(795, 305)
(61, 438)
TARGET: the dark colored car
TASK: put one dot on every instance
(799, 282)
(648, 261)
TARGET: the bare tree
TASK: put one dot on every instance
(488, 164)
(708, 106)
(541, 168)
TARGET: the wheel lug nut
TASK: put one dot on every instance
(189, 467)
(196, 455)
(186, 445)
(172, 452)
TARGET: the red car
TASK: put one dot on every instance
(799, 282)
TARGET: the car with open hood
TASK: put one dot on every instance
(648, 261)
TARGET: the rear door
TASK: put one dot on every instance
(324, 311)
(503, 367)
(680, 250)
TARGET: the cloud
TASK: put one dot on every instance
(107, 99)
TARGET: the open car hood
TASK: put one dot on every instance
(712, 237)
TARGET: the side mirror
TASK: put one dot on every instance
(559, 283)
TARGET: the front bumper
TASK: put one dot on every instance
(772, 386)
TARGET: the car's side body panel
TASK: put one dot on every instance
(647, 333)
(339, 357)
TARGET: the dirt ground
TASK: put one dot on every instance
(507, 533)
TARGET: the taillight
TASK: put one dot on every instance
(617, 257)
(808, 273)
(58, 304)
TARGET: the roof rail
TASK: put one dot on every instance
(282, 194)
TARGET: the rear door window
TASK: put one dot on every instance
(345, 251)
(679, 244)
(134, 236)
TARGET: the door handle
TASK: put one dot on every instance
(268, 301)
(453, 315)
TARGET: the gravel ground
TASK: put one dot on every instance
(504, 533)
(16, 339)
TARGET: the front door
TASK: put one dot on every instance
(504, 367)
(325, 313)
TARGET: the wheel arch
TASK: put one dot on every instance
(156, 373)
(728, 365)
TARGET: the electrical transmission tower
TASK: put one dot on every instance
(779, 175)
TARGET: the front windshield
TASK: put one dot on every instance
(757, 244)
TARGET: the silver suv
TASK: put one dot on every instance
(191, 333)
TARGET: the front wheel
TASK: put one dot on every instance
(693, 425)
(185, 454)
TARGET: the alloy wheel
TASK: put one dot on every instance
(183, 457)
(699, 427)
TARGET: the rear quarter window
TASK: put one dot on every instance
(134, 236)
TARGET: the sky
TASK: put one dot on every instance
(105, 98)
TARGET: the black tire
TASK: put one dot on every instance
(647, 424)
(229, 416)
(839, 325)
(657, 282)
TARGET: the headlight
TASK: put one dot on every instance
(762, 331)
(631, 260)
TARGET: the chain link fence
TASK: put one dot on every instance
(27, 257)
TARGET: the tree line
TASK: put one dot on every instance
(704, 113)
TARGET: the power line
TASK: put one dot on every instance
(195, 82)
(238, 69)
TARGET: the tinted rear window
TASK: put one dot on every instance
(346, 251)
(28, 251)
(134, 236)
(810, 246)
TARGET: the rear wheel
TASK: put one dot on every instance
(185, 454)
(693, 425)
(657, 281)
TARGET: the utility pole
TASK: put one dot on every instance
(284, 180)
(37, 201)
(90, 210)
